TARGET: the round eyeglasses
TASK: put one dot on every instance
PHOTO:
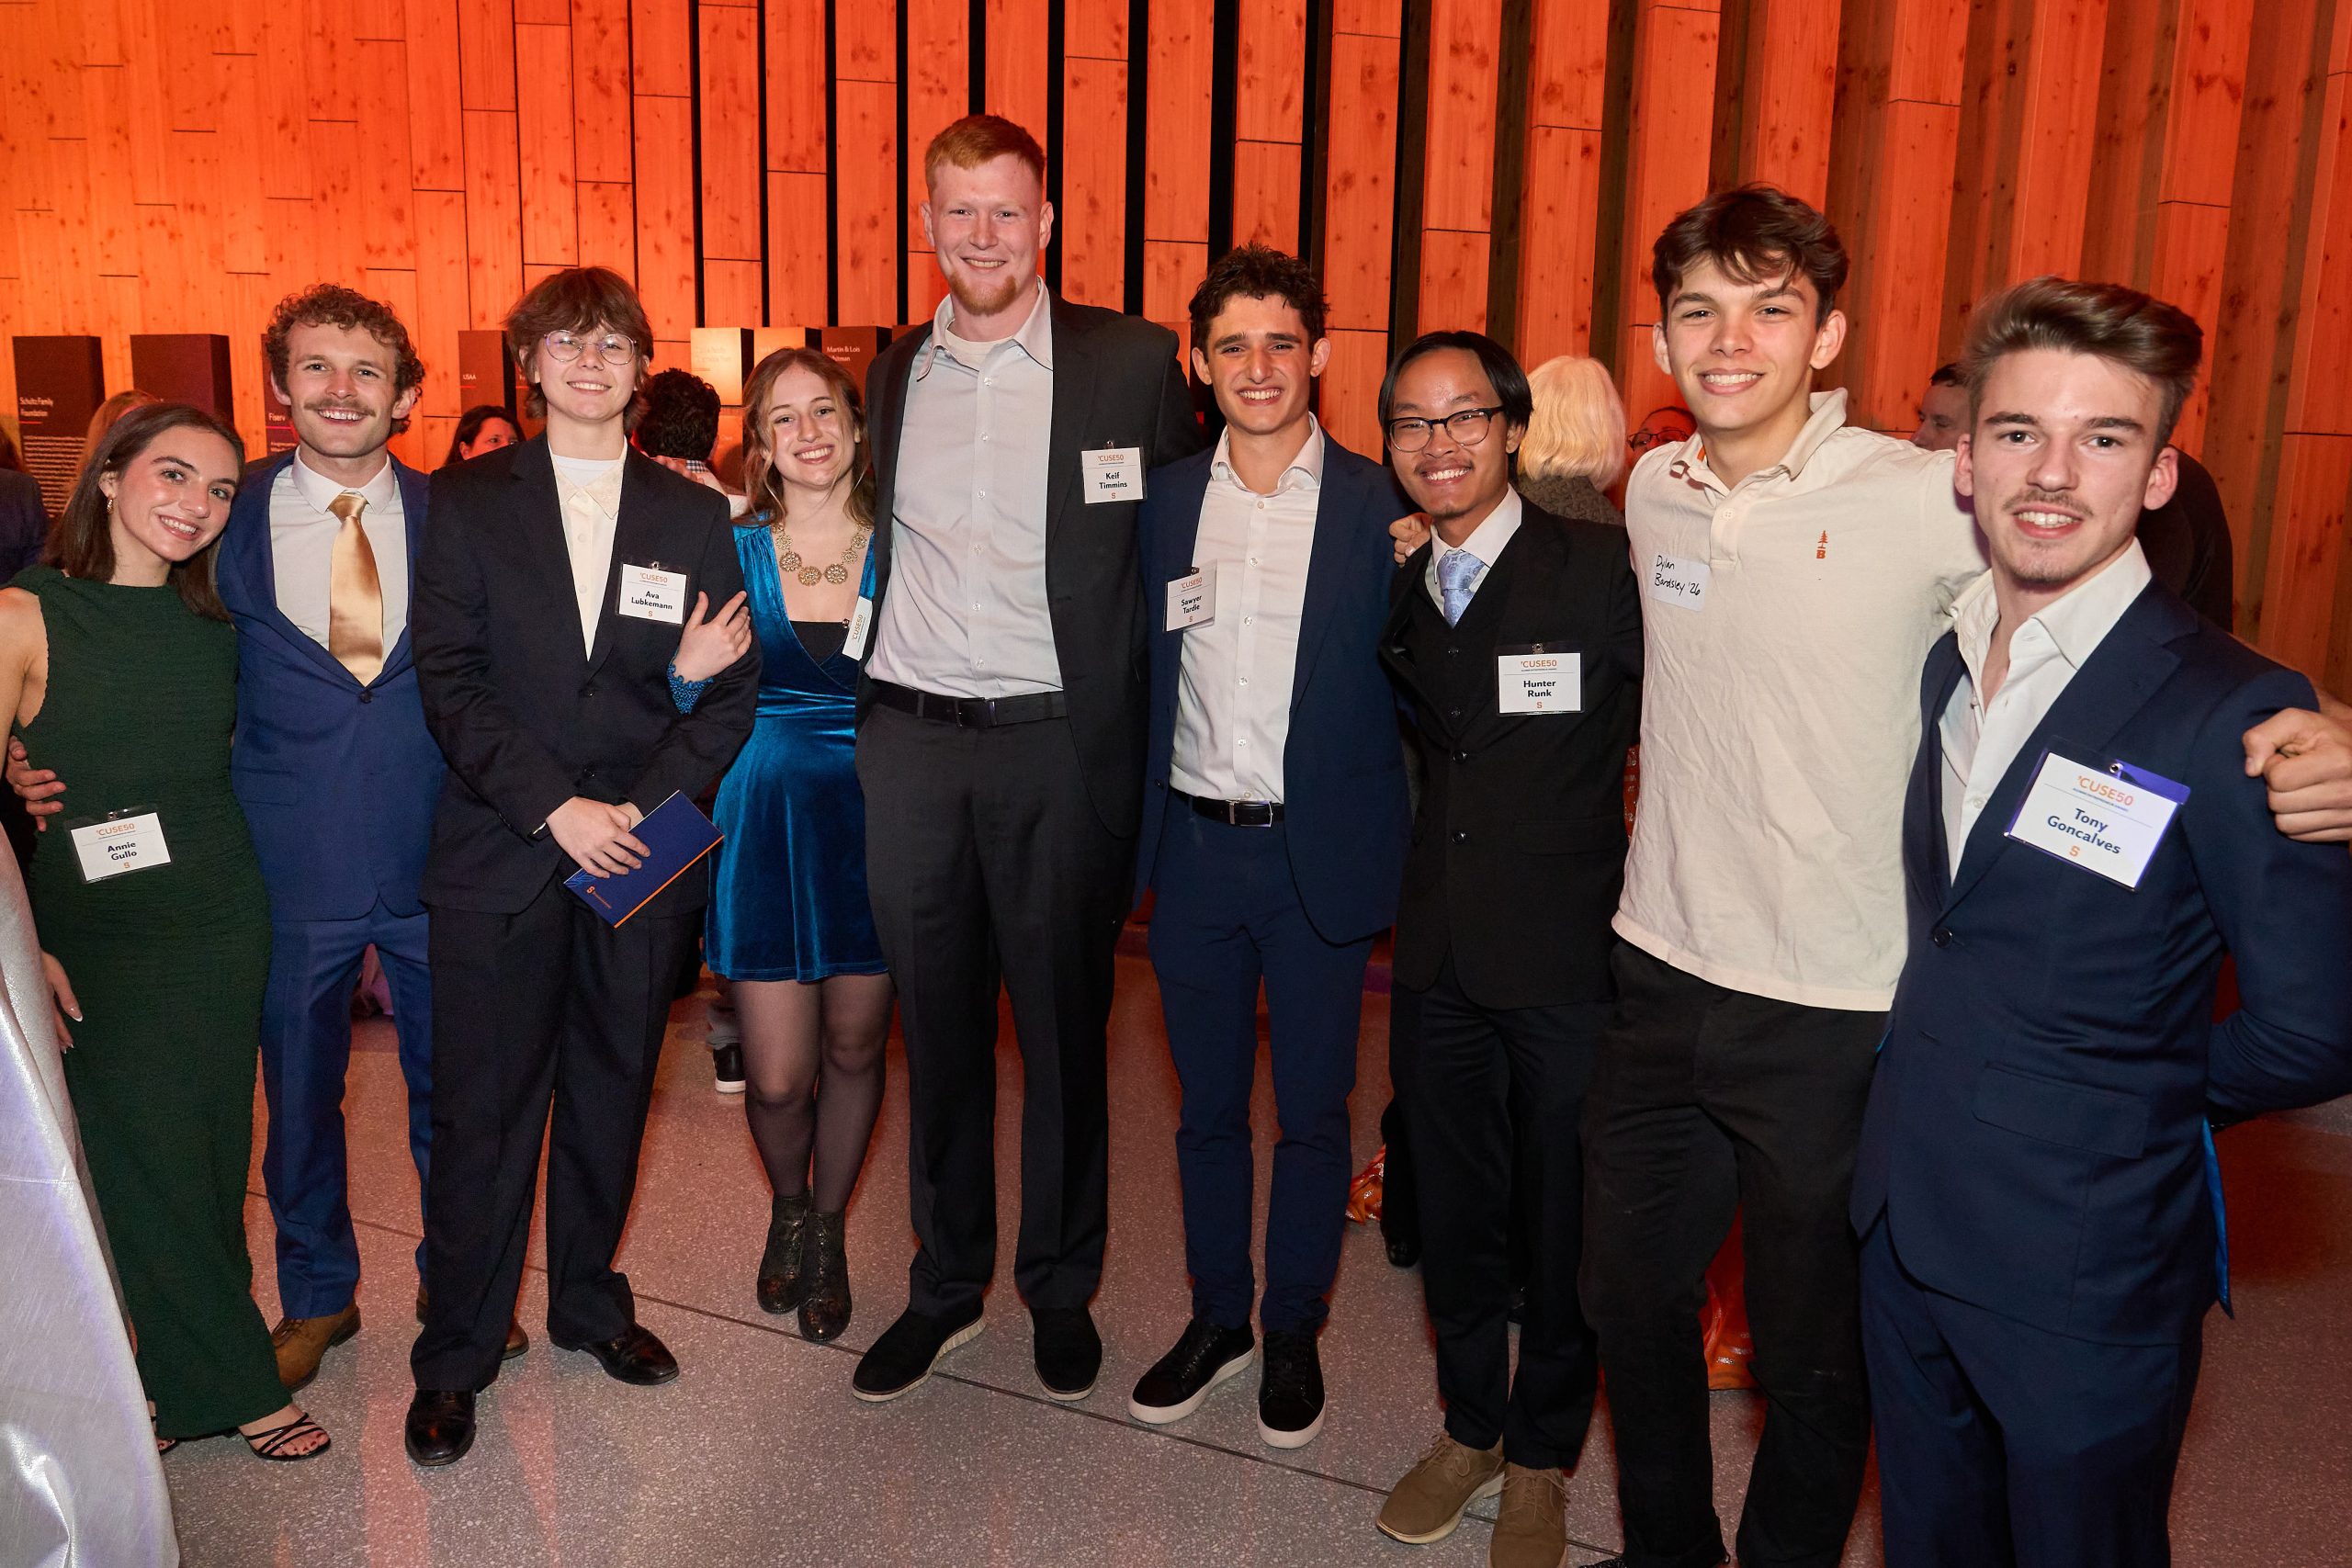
(611, 348)
(1467, 427)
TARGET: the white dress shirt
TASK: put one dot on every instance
(590, 488)
(1980, 740)
(1485, 544)
(967, 615)
(1233, 689)
(302, 545)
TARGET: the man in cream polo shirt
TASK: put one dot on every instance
(1795, 571)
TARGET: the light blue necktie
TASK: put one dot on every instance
(1453, 575)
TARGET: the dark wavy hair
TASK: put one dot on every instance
(578, 299)
(470, 425)
(760, 482)
(1258, 272)
(80, 543)
(680, 418)
(1753, 232)
(332, 305)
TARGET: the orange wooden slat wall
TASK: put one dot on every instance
(1176, 157)
(1458, 162)
(1359, 214)
(1016, 68)
(732, 176)
(1665, 171)
(1090, 228)
(1786, 86)
(1560, 190)
(661, 96)
(1269, 109)
(938, 92)
(865, 163)
(799, 247)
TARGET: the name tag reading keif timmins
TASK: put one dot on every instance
(1113, 473)
(1537, 680)
(651, 594)
(122, 843)
(2108, 819)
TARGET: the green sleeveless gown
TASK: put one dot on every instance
(168, 964)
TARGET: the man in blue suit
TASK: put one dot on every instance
(2037, 1193)
(1273, 826)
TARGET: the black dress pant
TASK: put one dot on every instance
(545, 1013)
(989, 867)
(1706, 1102)
(1466, 1076)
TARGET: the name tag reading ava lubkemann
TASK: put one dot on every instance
(2106, 820)
(648, 594)
(118, 843)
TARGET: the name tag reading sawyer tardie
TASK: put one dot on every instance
(2106, 820)
(1113, 473)
(651, 594)
(1192, 599)
(861, 627)
(1533, 678)
(119, 843)
(1679, 580)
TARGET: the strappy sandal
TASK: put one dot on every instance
(272, 1445)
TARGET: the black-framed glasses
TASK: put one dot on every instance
(1467, 427)
(611, 348)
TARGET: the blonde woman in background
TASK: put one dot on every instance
(1575, 447)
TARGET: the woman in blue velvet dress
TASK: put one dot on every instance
(788, 921)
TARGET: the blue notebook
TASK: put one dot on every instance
(675, 834)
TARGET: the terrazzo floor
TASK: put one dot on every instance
(758, 1455)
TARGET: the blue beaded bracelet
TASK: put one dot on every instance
(684, 694)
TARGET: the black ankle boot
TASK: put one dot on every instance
(785, 1266)
(824, 1310)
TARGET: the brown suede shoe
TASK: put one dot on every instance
(1532, 1530)
(1426, 1505)
(516, 1340)
(301, 1342)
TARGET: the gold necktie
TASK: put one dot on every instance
(354, 596)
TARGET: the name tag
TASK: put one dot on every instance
(860, 625)
(2109, 819)
(1675, 579)
(120, 845)
(1113, 473)
(1192, 599)
(651, 594)
(1536, 680)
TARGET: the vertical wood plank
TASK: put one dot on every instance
(728, 105)
(866, 202)
(1787, 94)
(1560, 189)
(545, 116)
(608, 225)
(486, 55)
(1092, 221)
(1271, 73)
(1176, 157)
(602, 149)
(1669, 144)
(665, 190)
(798, 255)
(799, 242)
(1359, 217)
(938, 92)
(436, 137)
(1017, 67)
(494, 215)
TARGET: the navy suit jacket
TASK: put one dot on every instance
(1345, 807)
(337, 779)
(2037, 1136)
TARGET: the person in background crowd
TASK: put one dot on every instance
(1943, 412)
(1515, 634)
(1576, 443)
(485, 427)
(113, 409)
(1000, 738)
(2038, 1192)
(789, 930)
(117, 660)
(1274, 823)
(337, 774)
(1659, 428)
(23, 516)
(562, 733)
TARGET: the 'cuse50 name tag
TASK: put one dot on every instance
(1113, 473)
(1538, 680)
(2108, 819)
(651, 594)
(120, 845)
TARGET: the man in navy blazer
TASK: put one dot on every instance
(1274, 823)
(2037, 1193)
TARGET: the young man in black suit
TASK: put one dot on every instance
(554, 580)
(1516, 638)
(1000, 740)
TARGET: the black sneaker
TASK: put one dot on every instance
(1290, 1392)
(727, 1066)
(907, 1351)
(1069, 1352)
(1178, 1382)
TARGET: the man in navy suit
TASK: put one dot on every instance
(2037, 1193)
(1273, 824)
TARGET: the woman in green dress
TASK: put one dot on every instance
(120, 665)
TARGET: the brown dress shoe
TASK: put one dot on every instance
(516, 1340)
(1427, 1503)
(300, 1342)
(1532, 1529)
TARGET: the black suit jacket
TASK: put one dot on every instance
(1519, 845)
(526, 720)
(1116, 383)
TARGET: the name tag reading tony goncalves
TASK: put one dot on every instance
(651, 594)
(1679, 580)
(1113, 473)
(2109, 820)
(120, 845)
(1538, 680)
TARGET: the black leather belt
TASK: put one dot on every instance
(1234, 813)
(971, 713)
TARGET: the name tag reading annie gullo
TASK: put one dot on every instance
(2109, 819)
(1538, 680)
(651, 594)
(122, 843)
(1113, 473)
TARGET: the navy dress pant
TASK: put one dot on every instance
(2001, 1445)
(305, 1053)
(1228, 917)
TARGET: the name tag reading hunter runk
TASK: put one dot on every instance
(1537, 679)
